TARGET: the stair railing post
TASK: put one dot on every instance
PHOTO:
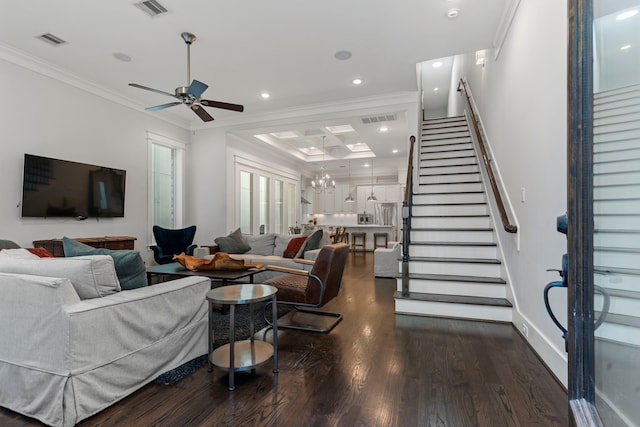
(406, 221)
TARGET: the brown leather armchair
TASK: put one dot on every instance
(307, 291)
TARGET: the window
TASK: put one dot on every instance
(166, 181)
(265, 200)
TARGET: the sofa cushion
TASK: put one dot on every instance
(281, 243)
(312, 242)
(91, 276)
(128, 264)
(262, 244)
(17, 253)
(294, 246)
(234, 243)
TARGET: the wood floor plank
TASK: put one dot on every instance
(374, 369)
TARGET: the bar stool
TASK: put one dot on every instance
(377, 236)
(358, 240)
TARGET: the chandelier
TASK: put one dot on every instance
(323, 182)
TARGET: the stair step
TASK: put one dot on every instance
(444, 120)
(449, 198)
(461, 307)
(452, 235)
(450, 187)
(428, 150)
(450, 209)
(444, 136)
(459, 266)
(447, 144)
(451, 222)
(449, 178)
(449, 170)
(488, 250)
(426, 130)
(455, 161)
(448, 154)
(488, 287)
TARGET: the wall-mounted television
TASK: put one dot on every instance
(61, 188)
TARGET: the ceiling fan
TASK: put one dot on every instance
(190, 95)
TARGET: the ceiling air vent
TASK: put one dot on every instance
(379, 118)
(51, 39)
(151, 7)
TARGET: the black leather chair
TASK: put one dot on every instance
(170, 242)
(307, 291)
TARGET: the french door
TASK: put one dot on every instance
(604, 212)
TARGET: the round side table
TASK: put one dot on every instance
(246, 354)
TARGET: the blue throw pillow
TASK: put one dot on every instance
(129, 265)
(312, 242)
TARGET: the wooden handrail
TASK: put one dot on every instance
(508, 227)
(407, 188)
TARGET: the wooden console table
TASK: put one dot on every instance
(54, 246)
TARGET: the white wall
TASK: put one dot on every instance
(57, 120)
(522, 101)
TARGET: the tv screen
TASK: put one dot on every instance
(60, 188)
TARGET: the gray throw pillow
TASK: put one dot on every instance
(129, 265)
(234, 243)
(312, 242)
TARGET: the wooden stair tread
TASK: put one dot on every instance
(455, 299)
(455, 260)
(458, 278)
(452, 229)
(452, 216)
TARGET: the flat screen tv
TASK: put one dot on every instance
(60, 188)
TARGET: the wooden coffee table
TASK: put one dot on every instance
(223, 277)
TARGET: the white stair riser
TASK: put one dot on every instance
(603, 239)
(453, 251)
(605, 113)
(629, 166)
(616, 127)
(452, 236)
(615, 222)
(609, 193)
(610, 156)
(446, 148)
(444, 130)
(618, 305)
(446, 287)
(618, 115)
(431, 163)
(443, 120)
(620, 333)
(443, 136)
(615, 207)
(445, 144)
(449, 170)
(600, 97)
(448, 179)
(459, 311)
(616, 136)
(615, 259)
(614, 103)
(458, 198)
(451, 222)
(450, 188)
(456, 268)
(431, 155)
(480, 209)
(632, 177)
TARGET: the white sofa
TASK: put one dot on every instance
(63, 358)
(268, 249)
(386, 260)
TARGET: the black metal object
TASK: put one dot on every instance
(407, 205)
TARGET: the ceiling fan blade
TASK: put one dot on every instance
(163, 106)
(196, 89)
(151, 89)
(223, 105)
(201, 112)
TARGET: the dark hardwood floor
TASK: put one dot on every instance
(374, 369)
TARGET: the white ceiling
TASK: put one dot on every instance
(245, 47)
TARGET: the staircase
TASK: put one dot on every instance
(453, 265)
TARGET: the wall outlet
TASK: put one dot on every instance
(523, 196)
(525, 330)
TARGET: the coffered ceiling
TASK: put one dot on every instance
(288, 48)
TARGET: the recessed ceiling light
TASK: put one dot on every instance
(437, 64)
(122, 57)
(626, 15)
(626, 47)
(435, 89)
(357, 82)
(265, 95)
(453, 13)
(394, 151)
(383, 129)
(342, 55)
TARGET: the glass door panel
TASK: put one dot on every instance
(616, 210)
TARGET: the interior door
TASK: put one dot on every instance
(604, 212)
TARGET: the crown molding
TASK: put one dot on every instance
(508, 15)
(46, 69)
